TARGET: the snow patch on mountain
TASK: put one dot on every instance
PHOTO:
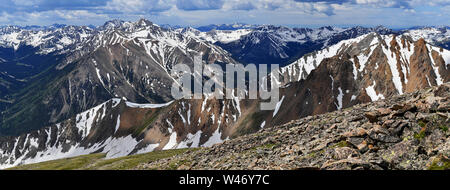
(432, 35)
(47, 39)
(224, 36)
(135, 105)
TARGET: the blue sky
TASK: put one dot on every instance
(309, 13)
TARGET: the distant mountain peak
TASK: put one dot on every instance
(113, 23)
(235, 26)
(144, 22)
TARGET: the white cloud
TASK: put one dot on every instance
(368, 12)
(139, 6)
(25, 2)
(282, 5)
(430, 2)
(75, 14)
(386, 3)
(5, 17)
(194, 5)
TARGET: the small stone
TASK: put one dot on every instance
(397, 130)
(360, 131)
(388, 123)
(363, 147)
(443, 107)
(183, 167)
(447, 115)
(384, 111)
(403, 109)
(343, 153)
(372, 116)
(252, 164)
(443, 90)
(409, 115)
(430, 100)
(397, 106)
(356, 133)
(383, 137)
(424, 116)
(380, 129)
(355, 141)
(332, 127)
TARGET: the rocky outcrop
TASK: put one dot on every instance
(409, 131)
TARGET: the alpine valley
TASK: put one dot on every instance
(68, 91)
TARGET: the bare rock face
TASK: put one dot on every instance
(409, 131)
(384, 61)
(420, 64)
(368, 68)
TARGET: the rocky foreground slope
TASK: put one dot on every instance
(408, 131)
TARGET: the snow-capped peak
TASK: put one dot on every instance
(436, 36)
(213, 36)
(48, 39)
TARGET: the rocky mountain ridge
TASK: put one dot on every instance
(283, 45)
(368, 68)
(130, 62)
(122, 59)
(331, 85)
(120, 128)
(407, 131)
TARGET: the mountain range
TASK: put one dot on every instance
(405, 132)
(74, 90)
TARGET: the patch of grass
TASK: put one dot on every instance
(269, 146)
(316, 153)
(265, 146)
(98, 161)
(420, 135)
(439, 164)
(407, 138)
(63, 164)
(443, 128)
(130, 162)
(340, 144)
(422, 124)
(312, 154)
(174, 165)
